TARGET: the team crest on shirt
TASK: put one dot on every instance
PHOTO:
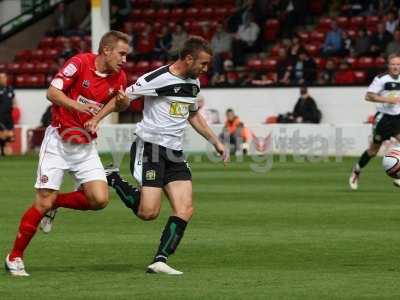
(44, 179)
(195, 90)
(86, 83)
(177, 89)
(150, 175)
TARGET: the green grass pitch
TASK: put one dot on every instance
(295, 232)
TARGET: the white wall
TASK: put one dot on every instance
(344, 105)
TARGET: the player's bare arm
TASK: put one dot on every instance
(116, 104)
(58, 97)
(200, 125)
(372, 97)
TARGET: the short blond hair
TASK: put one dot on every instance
(393, 55)
(110, 38)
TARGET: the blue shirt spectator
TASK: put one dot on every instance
(333, 44)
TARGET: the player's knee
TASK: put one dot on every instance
(45, 200)
(99, 201)
(186, 212)
(148, 215)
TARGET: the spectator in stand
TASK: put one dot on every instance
(327, 76)
(179, 36)
(295, 47)
(163, 43)
(83, 46)
(284, 67)
(234, 132)
(333, 44)
(344, 75)
(293, 16)
(221, 44)
(306, 110)
(68, 50)
(245, 40)
(265, 79)
(392, 21)
(304, 69)
(362, 43)
(394, 46)
(348, 49)
(380, 39)
(144, 44)
(62, 20)
(206, 32)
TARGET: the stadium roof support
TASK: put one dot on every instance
(100, 20)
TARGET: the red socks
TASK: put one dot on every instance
(27, 228)
(74, 200)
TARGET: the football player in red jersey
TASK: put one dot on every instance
(86, 89)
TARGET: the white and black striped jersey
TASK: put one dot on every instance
(387, 86)
(168, 99)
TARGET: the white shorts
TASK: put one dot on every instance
(56, 156)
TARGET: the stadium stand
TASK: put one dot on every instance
(157, 29)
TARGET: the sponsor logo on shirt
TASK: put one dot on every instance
(84, 100)
(86, 83)
(44, 179)
(177, 89)
(150, 175)
(70, 70)
(179, 109)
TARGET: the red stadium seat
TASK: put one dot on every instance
(163, 14)
(360, 76)
(272, 24)
(313, 49)
(137, 14)
(36, 80)
(50, 54)
(129, 66)
(42, 67)
(356, 22)
(316, 7)
(351, 33)
(75, 40)
(372, 21)
(23, 55)
(324, 24)
(317, 36)
(3, 67)
(351, 61)
(142, 67)
(192, 13)
(155, 64)
(28, 67)
(38, 54)
(14, 68)
(269, 64)
(21, 80)
(304, 36)
(271, 35)
(177, 14)
(380, 63)
(275, 50)
(149, 14)
(365, 62)
(254, 64)
(342, 22)
(60, 41)
(206, 13)
(46, 42)
(321, 62)
(221, 13)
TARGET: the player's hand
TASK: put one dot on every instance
(121, 100)
(221, 149)
(92, 125)
(87, 108)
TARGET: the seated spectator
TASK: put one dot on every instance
(295, 47)
(379, 40)
(348, 47)
(68, 51)
(333, 44)
(245, 41)
(362, 43)
(210, 115)
(327, 76)
(7, 102)
(306, 110)
(284, 67)
(304, 69)
(394, 45)
(344, 75)
(179, 36)
(391, 21)
(265, 79)
(163, 43)
(221, 44)
(206, 31)
(234, 132)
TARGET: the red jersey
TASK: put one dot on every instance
(80, 81)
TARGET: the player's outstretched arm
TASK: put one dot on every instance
(372, 97)
(200, 125)
(58, 97)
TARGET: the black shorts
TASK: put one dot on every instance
(6, 124)
(156, 166)
(385, 127)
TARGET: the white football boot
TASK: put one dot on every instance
(396, 183)
(46, 224)
(15, 267)
(161, 267)
(353, 180)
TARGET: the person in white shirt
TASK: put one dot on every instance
(157, 160)
(385, 91)
(246, 38)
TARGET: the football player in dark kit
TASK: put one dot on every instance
(6, 121)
